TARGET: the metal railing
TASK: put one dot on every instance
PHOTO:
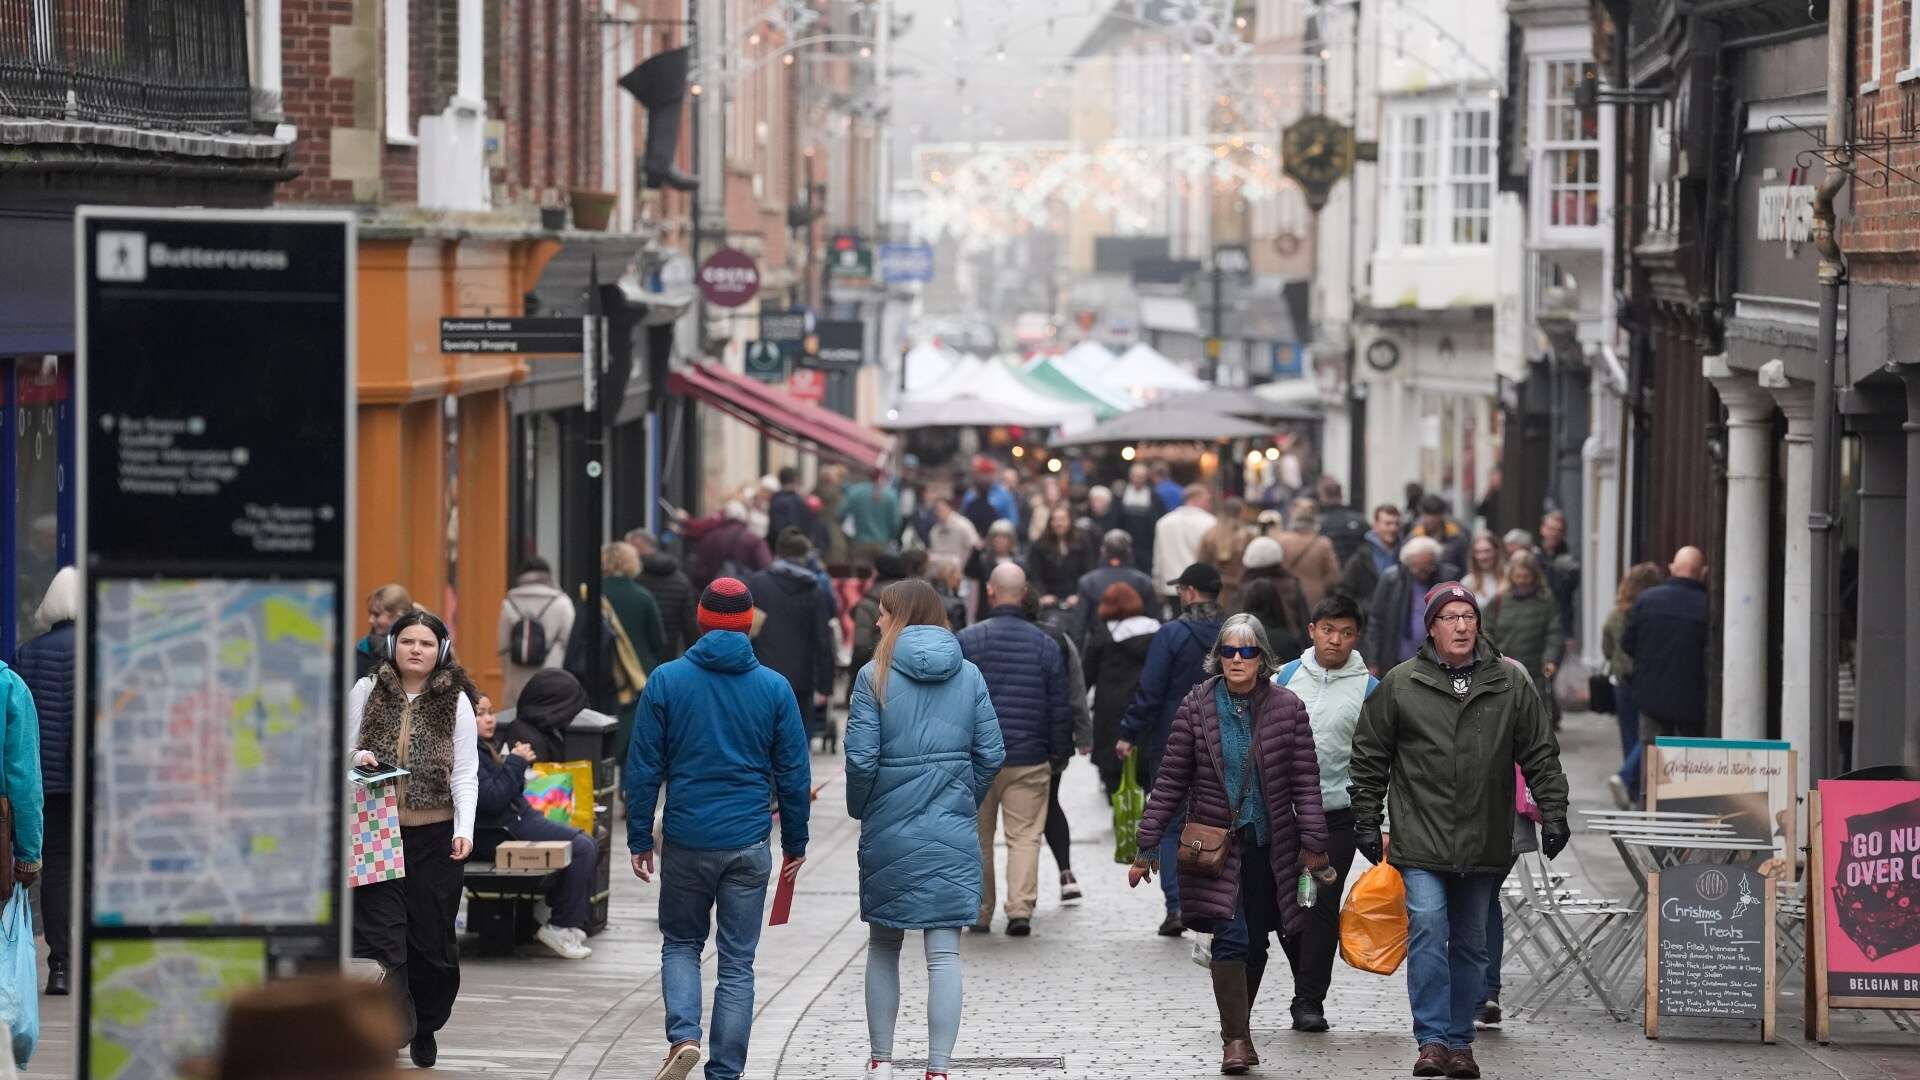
(173, 64)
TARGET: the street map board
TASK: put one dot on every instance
(208, 727)
(159, 1002)
(215, 444)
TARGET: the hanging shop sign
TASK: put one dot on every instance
(729, 278)
(841, 345)
(216, 437)
(906, 264)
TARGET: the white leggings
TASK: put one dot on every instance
(943, 992)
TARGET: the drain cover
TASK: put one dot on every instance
(913, 1064)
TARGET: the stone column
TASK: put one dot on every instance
(1743, 626)
(1879, 658)
(1796, 658)
(1910, 671)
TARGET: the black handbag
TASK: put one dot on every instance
(1600, 693)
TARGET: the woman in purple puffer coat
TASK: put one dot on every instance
(1229, 722)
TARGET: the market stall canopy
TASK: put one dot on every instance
(1056, 380)
(1090, 357)
(782, 416)
(1166, 425)
(927, 364)
(1143, 370)
(993, 393)
(1242, 403)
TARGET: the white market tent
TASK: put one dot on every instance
(927, 364)
(1143, 371)
(1089, 358)
(982, 392)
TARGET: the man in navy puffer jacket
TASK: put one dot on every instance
(1027, 680)
(45, 664)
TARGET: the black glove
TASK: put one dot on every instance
(1367, 841)
(1554, 836)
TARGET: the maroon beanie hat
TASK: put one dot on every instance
(1446, 593)
(726, 605)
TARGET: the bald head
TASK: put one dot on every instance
(1007, 585)
(1689, 562)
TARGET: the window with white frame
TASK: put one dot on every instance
(1663, 191)
(399, 75)
(1913, 42)
(1567, 179)
(1440, 166)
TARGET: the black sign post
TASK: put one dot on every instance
(215, 423)
(1710, 945)
(843, 345)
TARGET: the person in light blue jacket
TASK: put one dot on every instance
(923, 744)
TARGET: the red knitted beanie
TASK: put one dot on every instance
(726, 605)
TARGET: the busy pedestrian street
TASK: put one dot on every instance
(1094, 994)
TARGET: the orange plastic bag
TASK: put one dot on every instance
(1373, 922)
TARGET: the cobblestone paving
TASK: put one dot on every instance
(1093, 994)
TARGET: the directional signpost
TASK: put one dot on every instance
(512, 336)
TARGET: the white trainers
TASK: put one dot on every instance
(561, 943)
(877, 1070)
(578, 935)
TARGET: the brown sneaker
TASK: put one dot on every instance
(1462, 1066)
(1434, 1060)
(680, 1061)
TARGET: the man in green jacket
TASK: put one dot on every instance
(1443, 733)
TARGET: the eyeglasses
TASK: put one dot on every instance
(1462, 617)
(1242, 652)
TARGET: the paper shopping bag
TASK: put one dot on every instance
(377, 851)
(575, 806)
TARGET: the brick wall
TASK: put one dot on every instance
(1884, 226)
(317, 100)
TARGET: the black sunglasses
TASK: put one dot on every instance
(1243, 652)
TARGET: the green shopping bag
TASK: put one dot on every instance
(1128, 803)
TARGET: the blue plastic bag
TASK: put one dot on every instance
(20, 976)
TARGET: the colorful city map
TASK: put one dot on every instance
(214, 751)
(156, 1003)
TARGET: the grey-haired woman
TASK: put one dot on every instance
(1240, 756)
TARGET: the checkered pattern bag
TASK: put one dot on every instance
(377, 854)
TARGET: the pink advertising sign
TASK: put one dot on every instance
(1869, 882)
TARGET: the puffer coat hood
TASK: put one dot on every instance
(917, 768)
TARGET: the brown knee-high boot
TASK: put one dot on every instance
(1230, 994)
(1254, 975)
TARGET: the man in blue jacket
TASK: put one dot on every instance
(724, 735)
(1176, 663)
(1027, 679)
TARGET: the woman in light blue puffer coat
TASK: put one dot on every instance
(923, 745)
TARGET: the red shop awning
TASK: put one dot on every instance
(782, 416)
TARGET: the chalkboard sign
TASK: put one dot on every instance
(1710, 941)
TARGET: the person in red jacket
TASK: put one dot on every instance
(1241, 757)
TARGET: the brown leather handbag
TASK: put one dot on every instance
(1203, 848)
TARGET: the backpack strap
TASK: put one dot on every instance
(1287, 671)
(1372, 685)
(542, 613)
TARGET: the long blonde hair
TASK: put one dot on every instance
(911, 602)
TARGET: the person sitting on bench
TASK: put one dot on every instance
(502, 804)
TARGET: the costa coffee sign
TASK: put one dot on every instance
(728, 278)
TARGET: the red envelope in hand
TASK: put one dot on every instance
(782, 897)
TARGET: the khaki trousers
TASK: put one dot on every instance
(1019, 794)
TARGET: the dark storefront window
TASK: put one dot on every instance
(36, 475)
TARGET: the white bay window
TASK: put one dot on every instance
(1440, 166)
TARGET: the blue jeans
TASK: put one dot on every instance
(693, 885)
(1170, 862)
(1247, 937)
(1628, 713)
(943, 992)
(1446, 952)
